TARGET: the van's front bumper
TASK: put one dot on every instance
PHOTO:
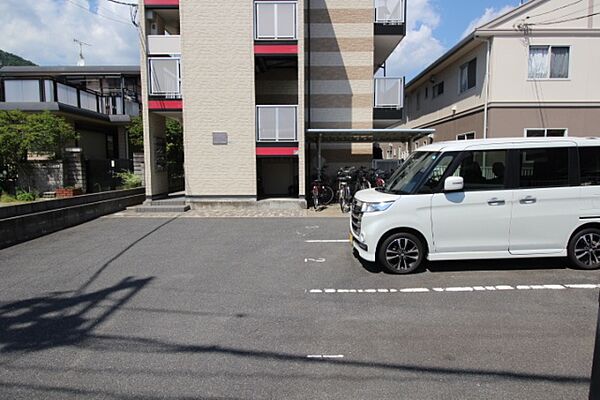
(360, 241)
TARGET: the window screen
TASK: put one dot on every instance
(544, 168)
(27, 91)
(589, 166)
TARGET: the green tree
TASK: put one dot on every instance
(21, 133)
(135, 131)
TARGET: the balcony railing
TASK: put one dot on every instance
(165, 77)
(276, 123)
(389, 93)
(51, 91)
(164, 44)
(275, 20)
(389, 12)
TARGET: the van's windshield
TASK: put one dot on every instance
(408, 176)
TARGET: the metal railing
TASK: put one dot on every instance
(49, 91)
(389, 12)
(389, 93)
(165, 77)
(275, 20)
(276, 123)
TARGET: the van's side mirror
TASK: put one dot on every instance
(454, 184)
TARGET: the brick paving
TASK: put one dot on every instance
(239, 212)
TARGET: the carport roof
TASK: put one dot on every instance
(368, 135)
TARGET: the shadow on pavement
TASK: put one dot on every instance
(58, 320)
(477, 265)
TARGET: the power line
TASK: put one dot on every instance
(567, 20)
(123, 3)
(569, 14)
(98, 14)
(555, 9)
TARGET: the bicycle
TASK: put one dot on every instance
(345, 177)
(322, 194)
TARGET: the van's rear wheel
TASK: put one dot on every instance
(584, 249)
(402, 253)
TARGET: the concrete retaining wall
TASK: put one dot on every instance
(27, 221)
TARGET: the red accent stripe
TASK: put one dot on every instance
(275, 49)
(170, 3)
(165, 104)
(276, 151)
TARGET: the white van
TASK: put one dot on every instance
(485, 199)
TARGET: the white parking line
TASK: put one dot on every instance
(458, 289)
(325, 356)
(328, 241)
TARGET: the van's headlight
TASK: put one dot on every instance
(376, 207)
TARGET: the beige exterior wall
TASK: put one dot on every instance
(510, 81)
(157, 182)
(512, 122)
(342, 45)
(219, 92)
(452, 102)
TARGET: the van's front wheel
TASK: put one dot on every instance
(402, 253)
(584, 249)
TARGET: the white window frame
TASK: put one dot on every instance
(465, 135)
(277, 139)
(151, 88)
(549, 46)
(276, 37)
(545, 132)
(400, 102)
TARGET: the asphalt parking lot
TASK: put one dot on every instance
(253, 308)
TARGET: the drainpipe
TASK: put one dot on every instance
(487, 88)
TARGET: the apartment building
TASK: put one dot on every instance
(264, 88)
(99, 101)
(531, 72)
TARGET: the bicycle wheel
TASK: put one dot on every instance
(326, 196)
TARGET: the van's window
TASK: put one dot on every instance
(483, 170)
(544, 168)
(436, 174)
(589, 165)
(413, 170)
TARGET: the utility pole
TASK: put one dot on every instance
(595, 385)
(81, 61)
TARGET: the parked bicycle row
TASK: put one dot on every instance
(348, 181)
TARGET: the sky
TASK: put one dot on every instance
(43, 31)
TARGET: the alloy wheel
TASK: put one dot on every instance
(587, 249)
(402, 254)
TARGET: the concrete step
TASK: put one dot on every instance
(149, 208)
(167, 203)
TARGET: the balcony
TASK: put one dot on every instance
(161, 3)
(39, 94)
(390, 12)
(277, 124)
(275, 20)
(164, 44)
(389, 101)
(390, 28)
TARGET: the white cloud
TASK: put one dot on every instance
(490, 14)
(43, 32)
(420, 47)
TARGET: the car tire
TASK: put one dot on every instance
(402, 253)
(584, 249)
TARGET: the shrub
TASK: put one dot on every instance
(7, 198)
(22, 195)
(129, 180)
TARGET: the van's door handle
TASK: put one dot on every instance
(496, 202)
(528, 200)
